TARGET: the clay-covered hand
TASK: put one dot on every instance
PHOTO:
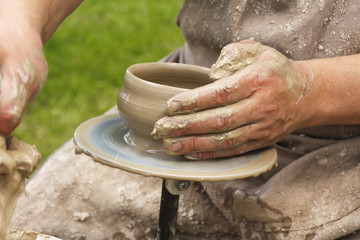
(17, 161)
(253, 103)
(23, 68)
(17, 155)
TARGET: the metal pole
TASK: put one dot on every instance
(168, 214)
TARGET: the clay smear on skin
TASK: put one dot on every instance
(165, 126)
(19, 98)
(178, 103)
(38, 54)
(22, 78)
(231, 60)
(213, 138)
(298, 83)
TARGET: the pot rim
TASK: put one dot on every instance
(168, 65)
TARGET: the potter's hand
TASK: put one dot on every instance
(24, 27)
(23, 69)
(16, 155)
(17, 161)
(253, 104)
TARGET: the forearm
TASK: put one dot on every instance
(42, 16)
(334, 97)
(25, 25)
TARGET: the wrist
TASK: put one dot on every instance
(23, 64)
(41, 16)
(313, 108)
(18, 16)
(333, 97)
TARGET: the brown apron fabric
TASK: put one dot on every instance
(74, 198)
(314, 193)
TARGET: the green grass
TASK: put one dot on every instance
(87, 58)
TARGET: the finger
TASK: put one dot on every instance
(222, 92)
(7, 165)
(25, 163)
(209, 121)
(208, 142)
(21, 146)
(19, 83)
(245, 147)
(13, 99)
(2, 142)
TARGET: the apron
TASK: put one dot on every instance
(314, 193)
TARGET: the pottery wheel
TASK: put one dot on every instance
(104, 138)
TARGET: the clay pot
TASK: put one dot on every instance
(147, 87)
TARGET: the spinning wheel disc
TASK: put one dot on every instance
(105, 139)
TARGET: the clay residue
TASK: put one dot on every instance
(235, 57)
(268, 219)
(180, 102)
(234, 134)
(217, 138)
(29, 235)
(164, 127)
(299, 76)
(21, 235)
(17, 161)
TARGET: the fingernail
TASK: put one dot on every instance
(175, 147)
(193, 156)
(172, 106)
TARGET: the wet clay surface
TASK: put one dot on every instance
(105, 139)
(92, 201)
(147, 87)
(20, 235)
(237, 56)
(29, 235)
(17, 161)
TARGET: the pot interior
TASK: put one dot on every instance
(179, 75)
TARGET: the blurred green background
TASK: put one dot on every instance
(87, 58)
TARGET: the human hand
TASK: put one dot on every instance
(253, 103)
(23, 68)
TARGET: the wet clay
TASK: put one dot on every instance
(20, 235)
(17, 161)
(236, 56)
(214, 138)
(233, 58)
(29, 235)
(144, 93)
(104, 139)
(163, 127)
